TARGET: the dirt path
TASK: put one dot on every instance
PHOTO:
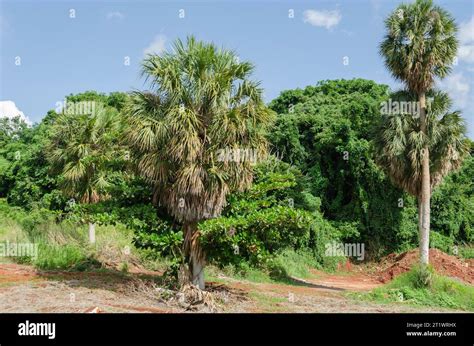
(324, 294)
(22, 289)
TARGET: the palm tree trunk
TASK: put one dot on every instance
(420, 215)
(91, 232)
(425, 188)
(194, 255)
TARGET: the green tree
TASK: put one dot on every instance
(24, 177)
(453, 203)
(326, 131)
(400, 144)
(420, 46)
(84, 150)
(203, 108)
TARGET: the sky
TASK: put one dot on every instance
(50, 49)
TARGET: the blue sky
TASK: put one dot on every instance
(45, 54)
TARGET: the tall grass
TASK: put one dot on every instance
(442, 292)
(64, 245)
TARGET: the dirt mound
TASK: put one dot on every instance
(394, 265)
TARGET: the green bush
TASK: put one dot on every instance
(52, 257)
(254, 237)
(441, 242)
(466, 251)
(290, 263)
(410, 288)
(276, 214)
(421, 276)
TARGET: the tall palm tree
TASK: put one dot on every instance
(203, 107)
(420, 45)
(82, 149)
(400, 143)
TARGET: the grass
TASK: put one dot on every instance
(268, 303)
(466, 251)
(52, 256)
(407, 288)
(290, 263)
(281, 269)
(65, 245)
(214, 273)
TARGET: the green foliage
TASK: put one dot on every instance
(280, 225)
(151, 231)
(63, 244)
(24, 172)
(26, 177)
(441, 242)
(54, 257)
(410, 288)
(115, 100)
(452, 209)
(203, 102)
(290, 263)
(421, 276)
(166, 244)
(257, 234)
(420, 44)
(326, 131)
(466, 251)
(265, 220)
(399, 142)
(84, 150)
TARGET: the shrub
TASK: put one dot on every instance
(255, 236)
(53, 256)
(410, 287)
(441, 242)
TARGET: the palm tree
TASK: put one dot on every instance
(420, 46)
(82, 150)
(400, 143)
(203, 110)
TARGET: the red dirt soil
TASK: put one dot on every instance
(16, 273)
(394, 265)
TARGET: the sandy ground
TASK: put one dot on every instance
(22, 289)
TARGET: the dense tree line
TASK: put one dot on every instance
(203, 171)
(319, 183)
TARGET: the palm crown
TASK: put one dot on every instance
(420, 44)
(399, 143)
(82, 149)
(203, 103)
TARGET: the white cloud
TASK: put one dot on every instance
(466, 31)
(466, 53)
(327, 19)
(458, 88)
(115, 15)
(8, 109)
(466, 39)
(157, 46)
